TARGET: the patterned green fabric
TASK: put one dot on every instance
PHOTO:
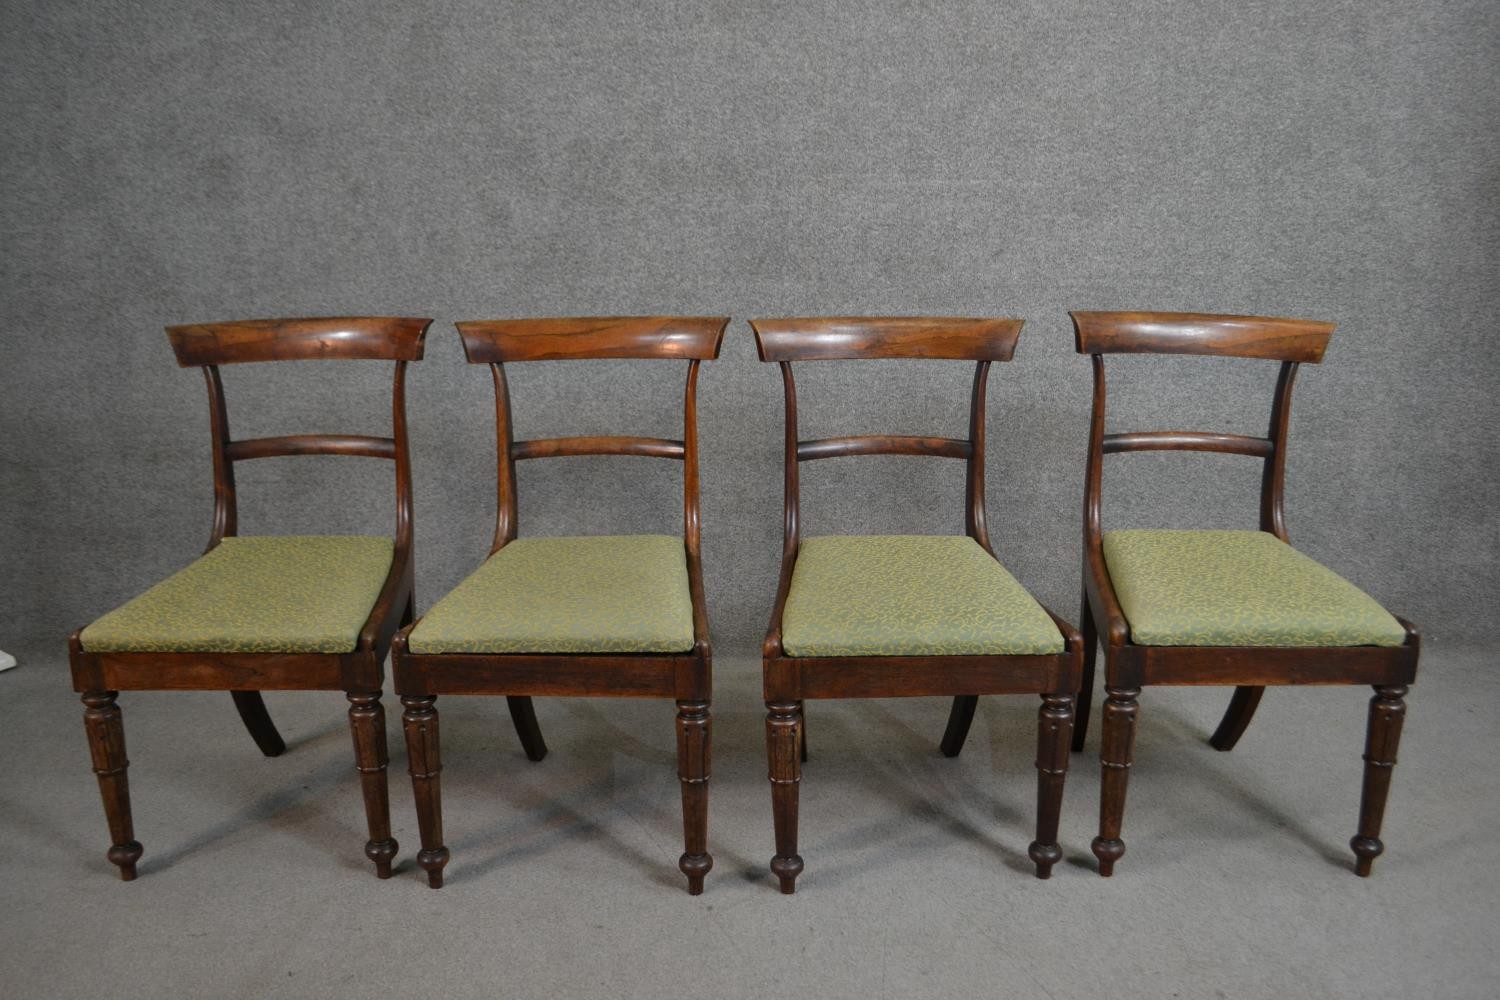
(266, 594)
(594, 594)
(908, 595)
(1237, 588)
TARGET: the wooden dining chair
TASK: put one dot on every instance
(266, 613)
(1224, 607)
(601, 615)
(881, 616)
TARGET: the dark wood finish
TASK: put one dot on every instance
(1129, 667)
(1054, 735)
(790, 680)
(1264, 337)
(367, 724)
(330, 338)
(1090, 634)
(1228, 444)
(802, 677)
(523, 717)
(693, 731)
(847, 338)
(1237, 717)
(1387, 713)
(311, 444)
(686, 678)
(1116, 753)
(359, 673)
(568, 447)
(632, 675)
(689, 338)
(425, 764)
(252, 709)
(841, 447)
(960, 718)
(783, 743)
(106, 731)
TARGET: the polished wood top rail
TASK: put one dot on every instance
(340, 338)
(835, 338)
(586, 337)
(1266, 337)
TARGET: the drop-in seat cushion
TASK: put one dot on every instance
(256, 594)
(1237, 588)
(591, 594)
(909, 595)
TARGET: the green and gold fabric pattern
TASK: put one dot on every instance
(256, 594)
(909, 595)
(1237, 588)
(589, 594)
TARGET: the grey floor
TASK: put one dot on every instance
(563, 881)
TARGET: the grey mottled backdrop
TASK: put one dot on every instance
(174, 162)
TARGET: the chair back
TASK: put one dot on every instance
(860, 338)
(693, 339)
(1289, 341)
(336, 338)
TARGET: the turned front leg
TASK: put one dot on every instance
(1387, 713)
(693, 733)
(783, 746)
(106, 731)
(1116, 752)
(1054, 737)
(425, 762)
(367, 722)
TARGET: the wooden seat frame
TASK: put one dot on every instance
(1129, 667)
(100, 676)
(685, 677)
(789, 680)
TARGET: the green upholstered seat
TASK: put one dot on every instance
(593, 594)
(258, 594)
(908, 595)
(1237, 588)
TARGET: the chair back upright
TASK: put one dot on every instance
(337, 338)
(653, 338)
(1289, 341)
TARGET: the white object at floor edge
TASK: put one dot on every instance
(6, 660)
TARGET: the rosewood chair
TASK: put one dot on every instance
(905, 615)
(604, 615)
(266, 613)
(1224, 607)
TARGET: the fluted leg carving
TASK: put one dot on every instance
(694, 729)
(106, 732)
(1118, 747)
(425, 762)
(783, 745)
(1054, 735)
(1090, 633)
(367, 723)
(1387, 713)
